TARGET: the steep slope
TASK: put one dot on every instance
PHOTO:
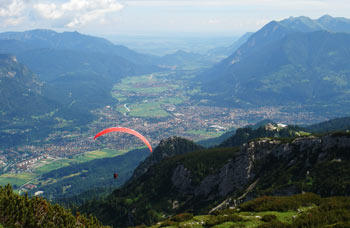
(284, 62)
(337, 124)
(302, 210)
(20, 89)
(227, 51)
(247, 134)
(276, 30)
(25, 113)
(69, 182)
(305, 68)
(20, 211)
(66, 61)
(50, 64)
(65, 71)
(197, 181)
(166, 148)
(338, 24)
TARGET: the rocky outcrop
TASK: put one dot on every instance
(240, 175)
(196, 182)
(167, 148)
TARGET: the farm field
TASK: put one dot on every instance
(16, 179)
(148, 95)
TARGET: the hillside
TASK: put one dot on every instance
(81, 78)
(247, 134)
(71, 181)
(301, 68)
(25, 112)
(337, 124)
(20, 89)
(294, 61)
(77, 70)
(198, 181)
(21, 211)
(167, 148)
(227, 51)
(304, 210)
(41, 38)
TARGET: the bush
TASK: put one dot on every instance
(182, 217)
(216, 220)
(269, 218)
(338, 225)
(225, 212)
(281, 203)
(270, 203)
(274, 224)
(168, 223)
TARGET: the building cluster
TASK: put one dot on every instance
(24, 164)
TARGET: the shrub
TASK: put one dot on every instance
(225, 212)
(280, 203)
(168, 223)
(182, 217)
(269, 218)
(216, 220)
(338, 225)
(274, 224)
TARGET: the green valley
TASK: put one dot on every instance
(37, 167)
(254, 133)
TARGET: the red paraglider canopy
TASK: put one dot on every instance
(115, 175)
(125, 130)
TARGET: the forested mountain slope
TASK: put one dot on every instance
(293, 61)
(21, 211)
(25, 112)
(198, 181)
(301, 68)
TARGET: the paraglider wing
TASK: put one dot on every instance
(125, 130)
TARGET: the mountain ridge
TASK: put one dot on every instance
(75, 41)
(298, 68)
(198, 181)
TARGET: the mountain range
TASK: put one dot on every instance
(25, 112)
(294, 61)
(49, 39)
(47, 76)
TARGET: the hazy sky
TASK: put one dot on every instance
(107, 17)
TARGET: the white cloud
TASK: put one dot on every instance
(246, 3)
(68, 13)
(10, 8)
(104, 16)
(48, 11)
(89, 11)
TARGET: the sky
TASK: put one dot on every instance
(157, 17)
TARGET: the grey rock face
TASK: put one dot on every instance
(181, 179)
(167, 147)
(240, 172)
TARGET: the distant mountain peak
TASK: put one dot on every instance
(325, 17)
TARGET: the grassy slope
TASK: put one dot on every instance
(305, 210)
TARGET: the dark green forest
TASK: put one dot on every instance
(22, 211)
